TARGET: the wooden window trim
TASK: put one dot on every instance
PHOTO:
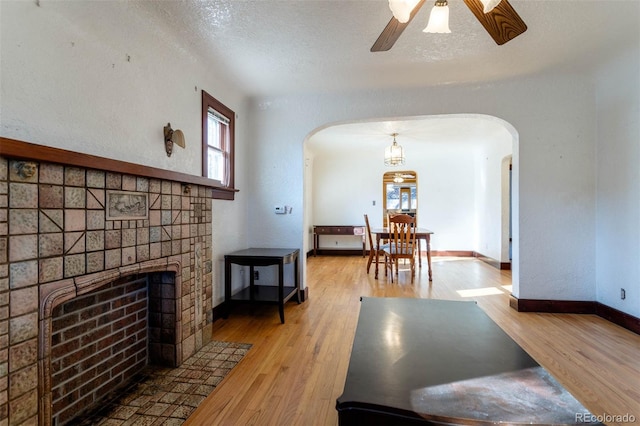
(209, 101)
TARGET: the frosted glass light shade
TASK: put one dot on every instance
(401, 9)
(438, 19)
(489, 4)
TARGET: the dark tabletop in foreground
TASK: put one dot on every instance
(433, 361)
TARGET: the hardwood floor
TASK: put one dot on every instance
(295, 371)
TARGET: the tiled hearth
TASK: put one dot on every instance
(168, 396)
(71, 235)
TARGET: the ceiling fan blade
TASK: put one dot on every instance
(392, 31)
(503, 23)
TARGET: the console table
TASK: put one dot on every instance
(271, 294)
(357, 230)
(423, 361)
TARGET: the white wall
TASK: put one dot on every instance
(103, 78)
(447, 197)
(553, 167)
(346, 185)
(618, 187)
(492, 201)
(458, 164)
(344, 188)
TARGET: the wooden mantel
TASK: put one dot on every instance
(12, 148)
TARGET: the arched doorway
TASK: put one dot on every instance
(460, 162)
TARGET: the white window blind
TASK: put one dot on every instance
(218, 146)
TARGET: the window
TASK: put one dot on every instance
(218, 138)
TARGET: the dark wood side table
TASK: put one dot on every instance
(422, 361)
(357, 230)
(271, 294)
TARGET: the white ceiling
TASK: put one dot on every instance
(418, 136)
(278, 47)
(275, 47)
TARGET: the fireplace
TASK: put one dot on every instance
(90, 256)
(101, 340)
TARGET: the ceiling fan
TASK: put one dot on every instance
(405, 175)
(501, 21)
(400, 177)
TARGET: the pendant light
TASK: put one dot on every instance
(394, 154)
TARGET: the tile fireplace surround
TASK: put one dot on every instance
(71, 232)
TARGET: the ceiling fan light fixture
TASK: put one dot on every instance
(489, 5)
(394, 154)
(439, 18)
(401, 9)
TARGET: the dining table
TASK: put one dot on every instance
(421, 234)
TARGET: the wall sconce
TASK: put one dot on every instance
(172, 137)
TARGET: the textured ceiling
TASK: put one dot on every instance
(278, 47)
(275, 47)
(419, 135)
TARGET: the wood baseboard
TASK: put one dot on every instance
(553, 306)
(304, 294)
(503, 266)
(337, 252)
(615, 316)
(453, 253)
(218, 311)
(358, 252)
(618, 317)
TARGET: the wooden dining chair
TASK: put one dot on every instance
(402, 245)
(374, 253)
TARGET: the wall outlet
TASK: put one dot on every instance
(256, 275)
(623, 294)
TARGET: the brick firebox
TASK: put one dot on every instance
(67, 231)
(102, 339)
